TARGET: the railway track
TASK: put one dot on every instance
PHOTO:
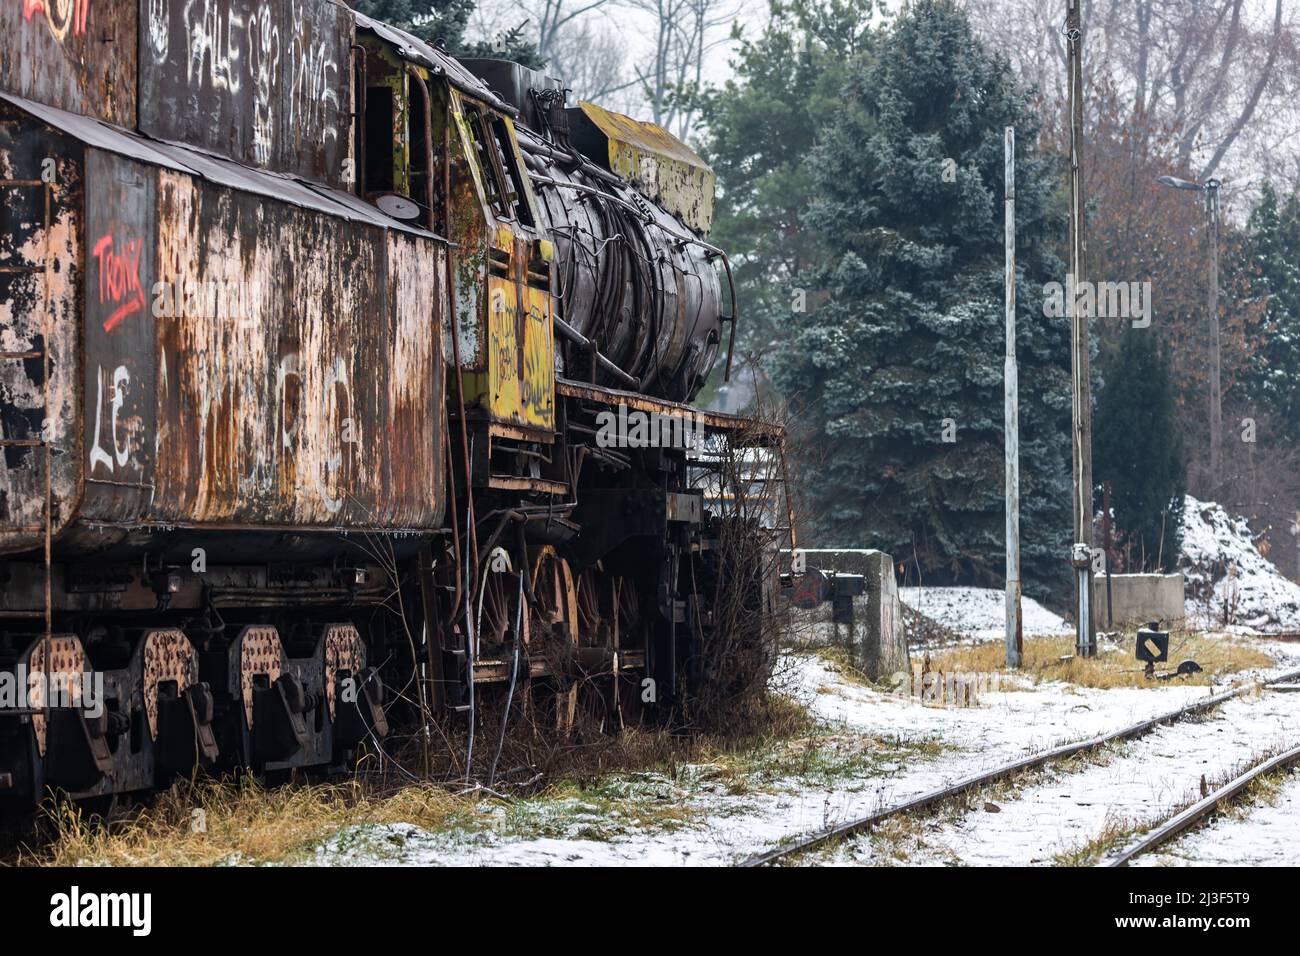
(936, 797)
(1202, 809)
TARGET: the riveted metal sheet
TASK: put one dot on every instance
(79, 55)
(265, 82)
(284, 395)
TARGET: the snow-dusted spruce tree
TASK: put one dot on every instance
(1273, 263)
(1138, 448)
(896, 376)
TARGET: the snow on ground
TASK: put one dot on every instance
(1223, 569)
(1143, 782)
(882, 750)
(1268, 834)
(980, 612)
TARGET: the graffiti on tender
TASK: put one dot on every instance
(314, 92)
(121, 453)
(264, 66)
(119, 278)
(270, 61)
(158, 24)
(63, 16)
(214, 32)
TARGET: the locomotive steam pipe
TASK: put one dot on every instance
(580, 340)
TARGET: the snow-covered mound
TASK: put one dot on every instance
(980, 612)
(1227, 580)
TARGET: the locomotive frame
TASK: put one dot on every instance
(322, 450)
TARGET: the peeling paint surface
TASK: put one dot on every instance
(78, 55)
(40, 287)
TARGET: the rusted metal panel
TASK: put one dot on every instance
(79, 55)
(265, 82)
(416, 51)
(287, 393)
(40, 275)
(660, 164)
(248, 362)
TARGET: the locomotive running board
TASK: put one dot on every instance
(763, 432)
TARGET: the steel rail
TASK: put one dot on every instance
(927, 800)
(1201, 809)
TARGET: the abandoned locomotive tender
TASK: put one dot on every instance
(305, 328)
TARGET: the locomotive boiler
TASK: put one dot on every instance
(306, 330)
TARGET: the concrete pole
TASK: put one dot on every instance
(1011, 415)
(1081, 552)
(1216, 391)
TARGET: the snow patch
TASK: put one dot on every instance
(980, 612)
(1227, 580)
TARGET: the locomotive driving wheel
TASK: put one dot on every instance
(613, 643)
(551, 637)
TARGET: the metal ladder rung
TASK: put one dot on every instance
(21, 442)
(14, 356)
(21, 269)
(23, 529)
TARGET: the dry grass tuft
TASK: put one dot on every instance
(1218, 656)
(245, 822)
(216, 822)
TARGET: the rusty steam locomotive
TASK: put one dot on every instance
(308, 331)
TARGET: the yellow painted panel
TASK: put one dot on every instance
(504, 354)
(539, 359)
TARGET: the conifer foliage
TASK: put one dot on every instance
(896, 376)
(1138, 449)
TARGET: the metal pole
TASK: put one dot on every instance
(1081, 553)
(1216, 392)
(1011, 415)
(1106, 543)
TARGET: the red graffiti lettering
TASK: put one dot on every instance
(63, 16)
(119, 278)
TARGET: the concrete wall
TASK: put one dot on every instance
(1138, 598)
(875, 635)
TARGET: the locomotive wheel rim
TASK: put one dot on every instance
(627, 684)
(497, 610)
(594, 596)
(556, 594)
(556, 602)
(609, 599)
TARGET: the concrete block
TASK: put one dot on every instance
(870, 624)
(1138, 598)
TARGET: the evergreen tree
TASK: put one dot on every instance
(443, 22)
(762, 125)
(1137, 447)
(1273, 257)
(897, 376)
